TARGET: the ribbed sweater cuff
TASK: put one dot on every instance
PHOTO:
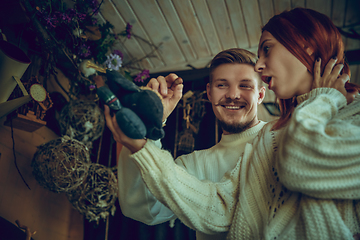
(144, 157)
(335, 95)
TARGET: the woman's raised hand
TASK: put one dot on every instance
(331, 78)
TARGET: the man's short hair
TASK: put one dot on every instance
(233, 55)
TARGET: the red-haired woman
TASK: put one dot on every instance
(300, 179)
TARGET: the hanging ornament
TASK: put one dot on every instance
(82, 120)
(96, 196)
(61, 164)
(193, 112)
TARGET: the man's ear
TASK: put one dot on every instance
(261, 97)
(208, 88)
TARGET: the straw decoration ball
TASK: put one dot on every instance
(61, 164)
(96, 196)
(82, 120)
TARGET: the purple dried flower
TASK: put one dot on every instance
(50, 21)
(128, 30)
(84, 51)
(66, 18)
(81, 16)
(94, 4)
(92, 87)
(118, 52)
(71, 13)
(141, 77)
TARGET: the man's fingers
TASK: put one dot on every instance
(159, 85)
(107, 114)
(171, 78)
(178, 90)
(163, 85)
(153, 84)
(177, 82)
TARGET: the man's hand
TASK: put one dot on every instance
(170, 88)
(99, 81)
(133, 145)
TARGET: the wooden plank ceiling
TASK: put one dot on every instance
(190, 33)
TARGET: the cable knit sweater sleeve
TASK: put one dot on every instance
(202, 205)
(319, 149)
(135, 200)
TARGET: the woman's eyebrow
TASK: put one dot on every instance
(262, 44)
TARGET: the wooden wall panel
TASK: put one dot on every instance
(238, 23)
(297, 3)
(207, 25)
(253, 21)
(157, 30)
(173, 20)
(266, 10)
(192, 27)
(194, 31)
(281, 5)
(338, 12)
(323, 6)
(352, 12)
(218, 11)
(109, 11)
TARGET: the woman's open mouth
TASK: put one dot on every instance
(267, 80)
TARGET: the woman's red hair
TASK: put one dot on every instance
(298, 30)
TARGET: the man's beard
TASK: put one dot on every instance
(235, 127)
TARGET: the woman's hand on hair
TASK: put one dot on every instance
(331, 78)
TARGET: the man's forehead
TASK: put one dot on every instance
(243, 71)
(247, 79)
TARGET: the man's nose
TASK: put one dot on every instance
(233, 93)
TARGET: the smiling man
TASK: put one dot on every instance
(235, 90)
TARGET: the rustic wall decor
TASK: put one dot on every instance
(61, 165)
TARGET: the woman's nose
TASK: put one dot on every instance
(259, 66)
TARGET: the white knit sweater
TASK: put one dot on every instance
(211, 164)
(300, 182)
